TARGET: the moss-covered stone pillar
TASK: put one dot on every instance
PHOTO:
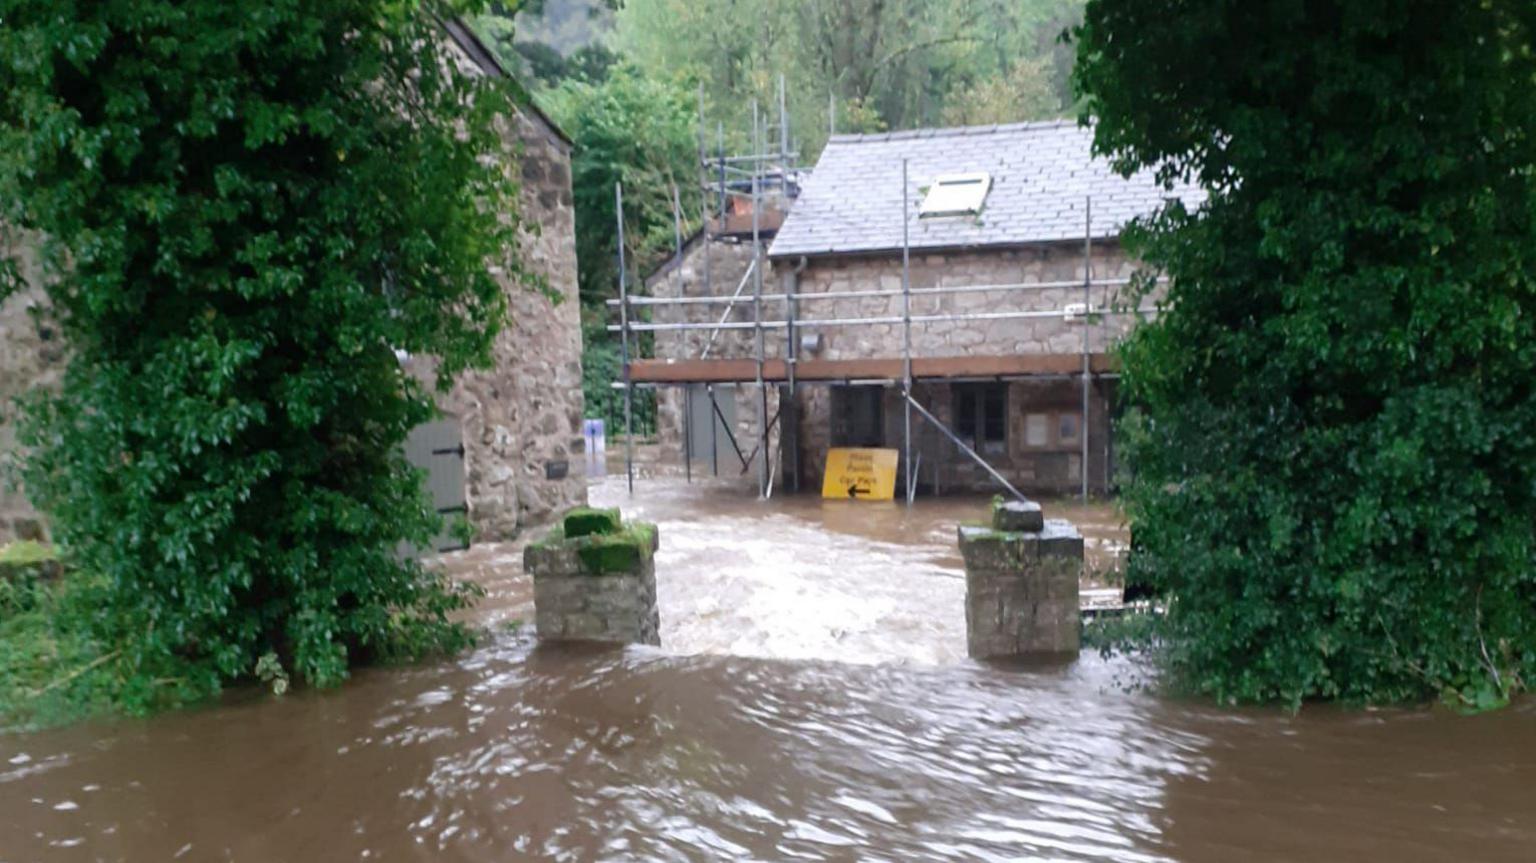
(594, 579)
(1021, 584)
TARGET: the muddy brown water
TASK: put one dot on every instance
(809, 703)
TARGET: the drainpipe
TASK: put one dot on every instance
(790, 423)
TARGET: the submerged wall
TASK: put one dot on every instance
(1021, 584)
(1049, 465)
(594, 579)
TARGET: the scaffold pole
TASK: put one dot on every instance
(906, 338)
(629, 389)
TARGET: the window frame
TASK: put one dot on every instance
(846, 401)
(976, 438)
(951, 195)
(1054, 440)
(1077, 435)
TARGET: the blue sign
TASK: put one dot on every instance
(594, 433)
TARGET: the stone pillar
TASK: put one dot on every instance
(1021, 584)
(594, 579)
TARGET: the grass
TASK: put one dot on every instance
(52, 670)
(25, 553)
(616, 552)
(620, 550)
(585, 521)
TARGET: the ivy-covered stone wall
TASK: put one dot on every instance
(31, 355)
(521, 419)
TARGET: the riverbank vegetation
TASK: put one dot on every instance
(52, 669)
(1332, 450)
(248, 211)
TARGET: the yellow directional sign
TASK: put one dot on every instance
(862, 474)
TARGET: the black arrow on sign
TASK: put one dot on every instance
(854, 491)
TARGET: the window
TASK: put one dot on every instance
(956, 195)
(1037, 430)
(858, 416)
(981, 416)
(1066, 428)
(1052, 430)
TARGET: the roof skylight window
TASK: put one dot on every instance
(956, 195)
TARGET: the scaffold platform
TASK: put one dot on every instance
(995, 367)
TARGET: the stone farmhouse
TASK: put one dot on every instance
(513, 448)
(1003, 259)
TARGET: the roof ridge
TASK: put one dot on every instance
(950, 131)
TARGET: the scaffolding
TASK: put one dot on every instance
(792, 372)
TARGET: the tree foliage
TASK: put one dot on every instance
(1021, 93)
(639, 131)
(883, 63)
(249, 208)
(1334, 453)
(542, 60)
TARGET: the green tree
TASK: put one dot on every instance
(547, 42)
(635, 130)
(639, 131)
(539, 62)
(1333, 460)
(591, 63)
(1022, 93)
(884, 63)
(248, 210)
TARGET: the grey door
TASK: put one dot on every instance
(709, 438)
(438, 448)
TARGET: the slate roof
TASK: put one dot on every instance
(1041, 175)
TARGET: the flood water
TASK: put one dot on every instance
(810, 702)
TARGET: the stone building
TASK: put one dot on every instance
(718, 260)
(1003, 208)
(520, 419)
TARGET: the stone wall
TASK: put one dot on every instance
(31, 355)
(728, 260)
(1052, 465)
(522, 418)
(1035, 264)
(1021, 585)
(597, 586)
